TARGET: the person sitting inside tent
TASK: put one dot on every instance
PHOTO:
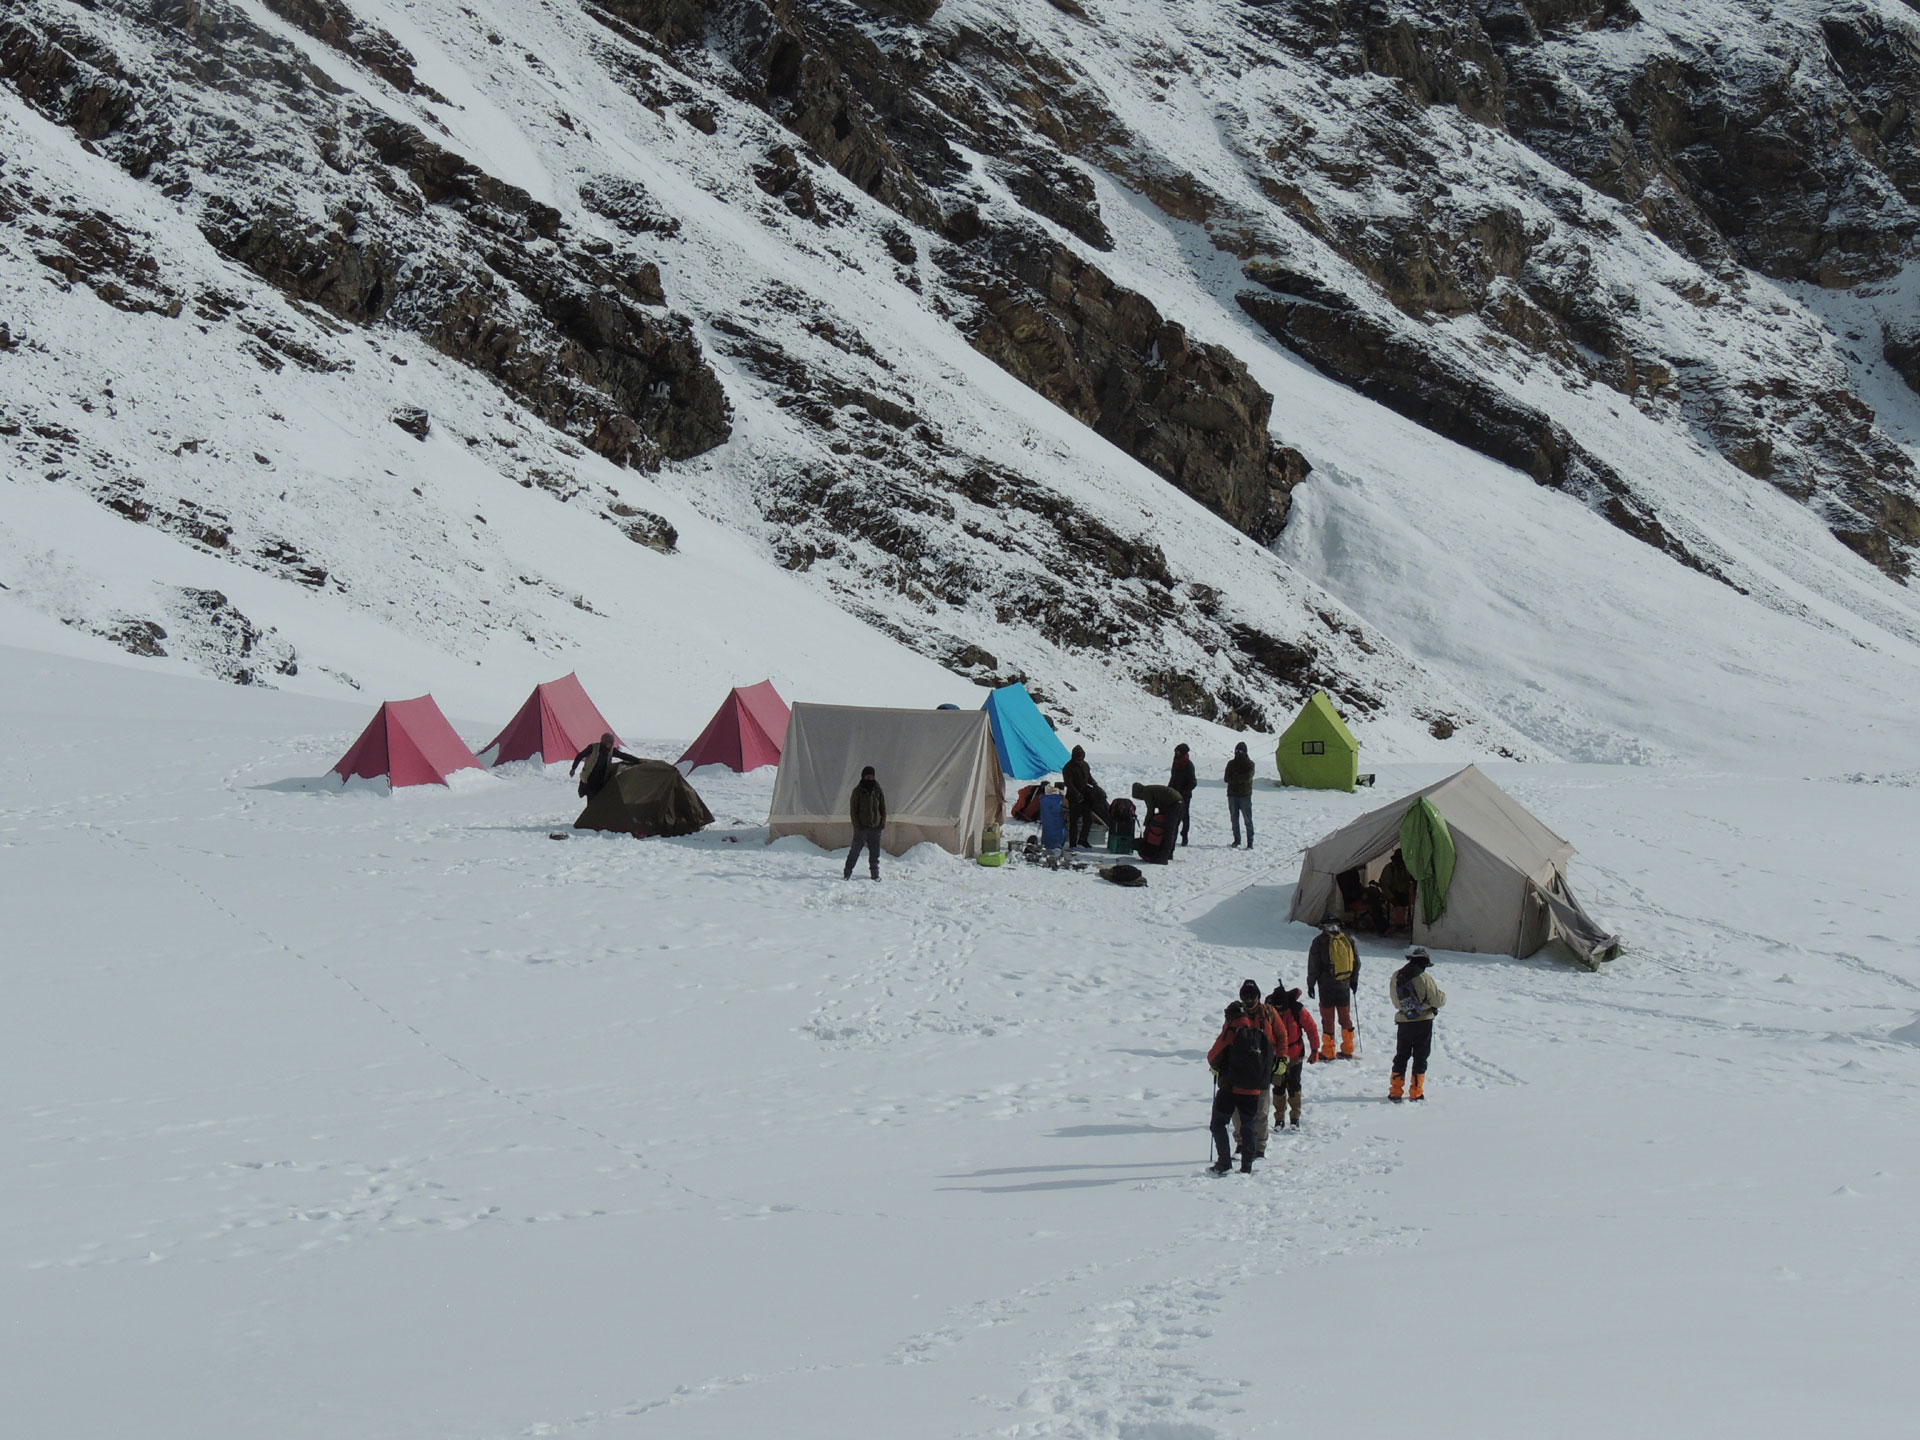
(599, 759)
(1396, 883)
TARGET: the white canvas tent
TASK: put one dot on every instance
(938, 769)
(1509, 891)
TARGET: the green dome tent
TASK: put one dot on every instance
(1317, 751)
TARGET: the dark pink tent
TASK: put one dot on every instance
(410, 743)
(557, 723)
(745, 733)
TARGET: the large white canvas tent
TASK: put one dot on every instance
(938, 769)
(1508, 893)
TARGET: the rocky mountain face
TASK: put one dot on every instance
(735, 243)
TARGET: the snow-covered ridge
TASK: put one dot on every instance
(713, 240)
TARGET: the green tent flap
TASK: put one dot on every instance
(1427, 846)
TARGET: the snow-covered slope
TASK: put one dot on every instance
(970, 357)
(338, 1115)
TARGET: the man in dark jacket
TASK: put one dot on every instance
(1165, 801)
(1077, 775)
(599, 758)
(1239, 778)
(1299, 1045)
(867, 809)
(1333, 969)
(1243, 1070)
(1183, 779)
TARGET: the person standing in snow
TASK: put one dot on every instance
(599, 758)
(1077, 776)
(1239, 778)
(1183, 779)
(1333, 969)
(1263, 1016)
(1242, 1063)
(867, 809)
(1299, 1045)
(1416, 1001)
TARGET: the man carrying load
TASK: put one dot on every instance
(1333, 971)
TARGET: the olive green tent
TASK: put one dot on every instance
(647, 798)
(1317, 751)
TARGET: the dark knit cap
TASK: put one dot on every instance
(1249, 990)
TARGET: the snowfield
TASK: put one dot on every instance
(344, 1115)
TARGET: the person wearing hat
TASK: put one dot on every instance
(1183, 779)
(1268, 1020)
(867, 809)
(1242, 1063)
(1077, 776)
(1239, 778)
(1416, 1000)
(1333, 969)
(1300, 1045)
(601, 759)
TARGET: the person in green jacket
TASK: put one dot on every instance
(867, 809)
(1239, 778)
(1416, 1001)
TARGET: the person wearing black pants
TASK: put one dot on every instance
(867, 809)
(1184, 779)
(1416, 1001)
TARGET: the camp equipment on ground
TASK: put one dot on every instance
(938, 768)
(1128, 875)
(1317, 751)
(745, 733)
(408, 742)
(555, 724)
(1155, 846)
(1026, 805)
(645, 798)
(1507, 892)
(1120, 815)
(1024, 741)
(993, 857)
(1053, 821)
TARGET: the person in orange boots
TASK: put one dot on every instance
(1416, 1000)
(1333, 970)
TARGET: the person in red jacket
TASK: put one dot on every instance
(1299, 1044)
(1242, 1063)
(1265, 1017)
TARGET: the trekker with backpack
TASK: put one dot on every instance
(1264, 1016)
(1333, 968)
(1183, 779)
(1416, 1000)
(1299, 1045)
(1239, 778)
(867, 809)
(1242, 1063)
(1157, 825)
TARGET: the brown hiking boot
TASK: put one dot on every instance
(1419, 1090)
(1395, 1090)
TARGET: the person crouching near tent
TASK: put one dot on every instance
(867, 809)
(599, 758)
(1333, 969)
(1298, 1044)
(1416, 1001)
(1239, 778)
(1242, 1063)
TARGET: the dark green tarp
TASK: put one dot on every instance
(1427, 846)
(650, 798)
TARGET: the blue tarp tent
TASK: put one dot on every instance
(1028, 747)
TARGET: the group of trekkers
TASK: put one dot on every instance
(1166, 820)
(1264, 1045)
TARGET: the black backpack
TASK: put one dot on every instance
(1249, 1059)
